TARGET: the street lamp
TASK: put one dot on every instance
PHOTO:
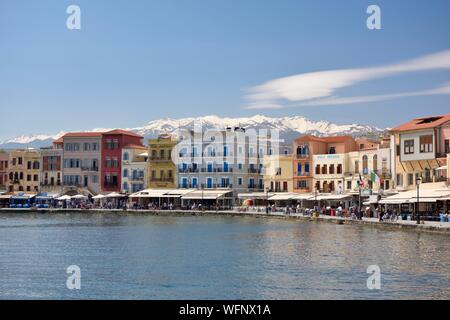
(418, 181)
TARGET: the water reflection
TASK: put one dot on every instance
(142, 257)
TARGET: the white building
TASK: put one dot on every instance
(134, 169)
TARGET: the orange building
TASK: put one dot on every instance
(308, 168)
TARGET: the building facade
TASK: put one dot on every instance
(82, 161)
(224, 159)
(4, 161)
(319, 163)
(134, 168)
(362, 163)
(419, 149)
(161, 168)
(278, 173)
(24, 170)
(51, 169)
(113, 143)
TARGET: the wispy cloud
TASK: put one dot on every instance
(319, 88)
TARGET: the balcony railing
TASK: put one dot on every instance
(95, 169)
(302, 156)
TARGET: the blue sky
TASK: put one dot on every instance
(136, 61)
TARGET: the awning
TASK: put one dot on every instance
(23, 197)
(206, 195)
(424, 200)
(64, 198)
(5, 197)
(98, 197)
(150, 193)
(442, 168)
(304, 197)
(333, 197)
(393, 201)
(283, 196)
(256, 195)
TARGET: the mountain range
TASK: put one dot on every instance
(289, 128)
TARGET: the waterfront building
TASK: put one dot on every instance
(82, 161)
(134, 168)
(319, 163)
(161, 168)
(371, 164)
(278, 173)
(229, 158)
(51, 169)
(113, 143)
(24, 171)
(419, 148)
(4, 160)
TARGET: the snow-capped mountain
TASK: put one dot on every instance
(289, 128)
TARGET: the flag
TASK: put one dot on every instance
(375, 178)
(361, 182)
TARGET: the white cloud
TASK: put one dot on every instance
(319, 88)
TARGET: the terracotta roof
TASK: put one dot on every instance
(423, 123)
(60, 140)
(324, 139)
(82, 134)
(124, 132)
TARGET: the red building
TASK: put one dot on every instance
(112, 145)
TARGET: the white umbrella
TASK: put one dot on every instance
(98, 197)
(79, 196)
(115, 195)
(64, 198)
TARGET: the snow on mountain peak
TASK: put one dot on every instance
(289, 127)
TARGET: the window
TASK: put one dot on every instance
(356, 166)
(126, 156)
(76, 147)
(332, 150)
(36, 177)
(349, 185)
(115, 144)
(426, 144)
(365, 160)
(375, 163)
(331, 168)
(108, 144)
(240, 181)
(408, 147)
(87, 146)
(339, 169)
(447, 146)
(29, 177)
(399, 180)
(307, 167)
(125, 173)
(95, 146)
(318, 169)
(19, 161)
(302, 184)
(324, 169)
(410, 179)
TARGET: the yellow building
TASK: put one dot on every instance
(278, 173)
(161, 169)
(24, 171)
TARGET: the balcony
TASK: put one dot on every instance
(302, 156)
(160, 159)
(302, 174)
(93, 169)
